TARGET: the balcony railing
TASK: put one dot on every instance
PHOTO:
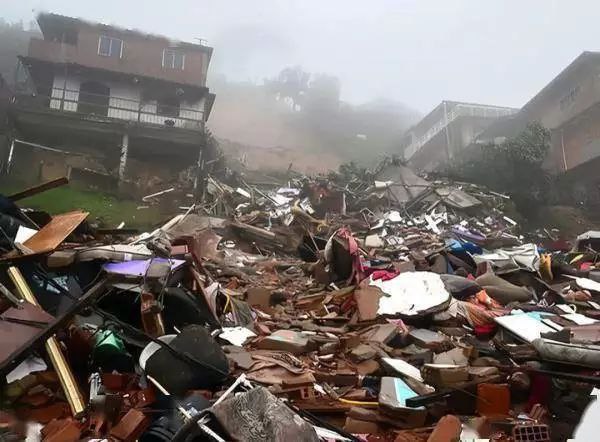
(97, 106)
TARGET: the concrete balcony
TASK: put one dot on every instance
(52, 51)
(112, 108)
(459, 110)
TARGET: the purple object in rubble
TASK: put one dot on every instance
(138, 267)
(468, 234)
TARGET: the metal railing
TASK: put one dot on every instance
(100, 106)
(458, 110)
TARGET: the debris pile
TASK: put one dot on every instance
(377, 307)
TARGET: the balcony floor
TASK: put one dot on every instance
(39, 119)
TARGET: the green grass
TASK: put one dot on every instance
(105, 210)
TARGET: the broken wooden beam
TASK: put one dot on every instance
(53, 184)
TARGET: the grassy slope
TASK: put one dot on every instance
(105, 209)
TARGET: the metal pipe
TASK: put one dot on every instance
(10, 155)
(238, 381)
(67, 380)
(562, 145)
(201, 423)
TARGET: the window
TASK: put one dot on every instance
(173, 59)
(110, 47)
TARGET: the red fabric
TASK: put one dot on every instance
(484, 329)
(384, 275)
(541, 388)
(348, 304)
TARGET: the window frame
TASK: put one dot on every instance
(175, 52)
(110, 46)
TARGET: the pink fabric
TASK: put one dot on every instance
(399, 324)
(357, 266)
(585, 266)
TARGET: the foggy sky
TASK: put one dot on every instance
(418, 52)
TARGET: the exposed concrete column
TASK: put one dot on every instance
(446, 131)
(199, 178)
(11, 153)
(123, 159)
(198, 168)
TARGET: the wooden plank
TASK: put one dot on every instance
(55, 232)
(17, 332)
(55, 324)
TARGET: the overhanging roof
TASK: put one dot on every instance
(586, 57)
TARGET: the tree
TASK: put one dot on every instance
(513, 167)
(292, 83)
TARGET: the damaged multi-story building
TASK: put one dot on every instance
(446, 131)
(569, 107)
(109, 106)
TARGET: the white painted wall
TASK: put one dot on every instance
(192, 111)
(188, 111)
(125, 102)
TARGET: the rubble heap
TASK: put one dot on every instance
(380, 307)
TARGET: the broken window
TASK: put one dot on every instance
(110, 47)
(168, 107)
(173, 59)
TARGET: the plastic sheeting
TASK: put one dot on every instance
(412, 293)
(524, 325)
(520, 257)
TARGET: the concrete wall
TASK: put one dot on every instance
(147, 170)
(577, 142)
(419, 129)
(35, 165)
(566, 98)
(444, 147)
(432, 154)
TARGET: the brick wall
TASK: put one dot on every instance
(141, 56)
